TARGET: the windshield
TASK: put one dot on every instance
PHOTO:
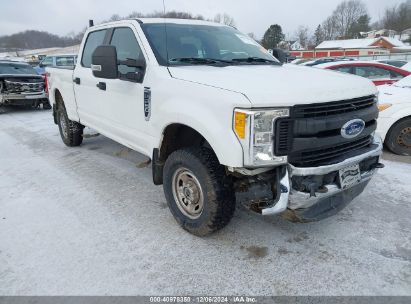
(10, 68)
(204, 44)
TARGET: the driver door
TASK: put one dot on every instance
(123, 99)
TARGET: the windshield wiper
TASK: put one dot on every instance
(194, 60)
(256, 60)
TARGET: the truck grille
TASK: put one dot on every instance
(14, 87)
(320, 156)
(333, 108)
(311, 136)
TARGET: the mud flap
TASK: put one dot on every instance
(55, 114)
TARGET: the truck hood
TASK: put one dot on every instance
(288, 85)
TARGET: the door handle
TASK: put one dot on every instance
(102, 86)
(77, 80)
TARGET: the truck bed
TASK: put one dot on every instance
(61, 83)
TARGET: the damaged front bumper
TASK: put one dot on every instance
(22, 99)
(307, 206)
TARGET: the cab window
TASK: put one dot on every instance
(48, 61)
(127, 47)
(94, 40)
(65, 61)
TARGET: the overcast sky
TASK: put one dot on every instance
(61, 17)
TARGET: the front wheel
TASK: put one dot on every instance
(199, 193)
(399, 137)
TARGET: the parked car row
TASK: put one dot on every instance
(393, 80)
(379, 73)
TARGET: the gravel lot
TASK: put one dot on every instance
(89, 221)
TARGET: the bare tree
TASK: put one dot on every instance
(135, 15)
(346, 14)
(302, 35)
(329, 28)
(225, 19)
(252, 36)
(398, 18)
(115, 17)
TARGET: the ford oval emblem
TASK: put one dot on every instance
(353, 128)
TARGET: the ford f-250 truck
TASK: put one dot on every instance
(221, 119)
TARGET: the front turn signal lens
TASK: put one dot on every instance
(240, 123)
(384, 106)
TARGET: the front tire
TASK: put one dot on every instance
(399, 138)
(71, 132)
(199, 193)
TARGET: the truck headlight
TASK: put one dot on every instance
(255, 130)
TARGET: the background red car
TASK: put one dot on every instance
(379, 73)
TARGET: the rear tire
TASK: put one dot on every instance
(398, 138)
(199, 193)
(71, 132)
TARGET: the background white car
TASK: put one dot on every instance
(394, 123)
(407, 67)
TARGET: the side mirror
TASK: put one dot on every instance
(104, 62)
(136, 76)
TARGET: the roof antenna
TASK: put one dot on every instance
(165, 30)
(91, 23)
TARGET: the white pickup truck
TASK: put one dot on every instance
(222, 120)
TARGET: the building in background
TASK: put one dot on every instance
(356, 47)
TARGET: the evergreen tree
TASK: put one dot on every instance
(318, 35)
(361, 25)
(273, 36)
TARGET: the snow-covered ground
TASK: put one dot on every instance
(89, 221)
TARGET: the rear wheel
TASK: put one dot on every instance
(71, 132)
(199, 193)
(399, 137)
